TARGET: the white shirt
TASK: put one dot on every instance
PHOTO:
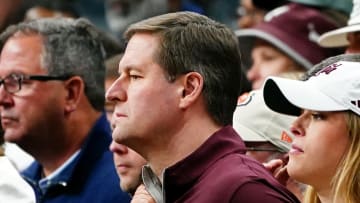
(13, 188)
(17, 156)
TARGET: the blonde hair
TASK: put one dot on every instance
(346, 182)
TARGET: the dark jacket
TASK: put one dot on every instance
(90, 177)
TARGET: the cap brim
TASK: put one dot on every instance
(291, 96)
(262, 32)
(338, 37)
(248, 135)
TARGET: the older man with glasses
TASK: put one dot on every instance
(51, 104)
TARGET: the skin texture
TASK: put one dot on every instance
(8, 9)
(24, 125)
(161, 120)
(278, 168)
(29, 117)
(354, 43)
(252, 15)
(267, 61)
(109, 106)
(142, 196)
(321, 140)
(128, 166)
(128, 163)
(141, 84)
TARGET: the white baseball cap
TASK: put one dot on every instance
(255, 122)
(335, 87)
(338, 37)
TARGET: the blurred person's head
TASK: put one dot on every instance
(269, 60)
(51, 9)
(11, 11)
(128, 165)
(111, 65)
(269, 137)
(121, 13)
(347, 36)
(325, 152)
(266, 133)
(276, 48)
(252, 12)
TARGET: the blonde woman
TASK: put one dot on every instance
(325, 152)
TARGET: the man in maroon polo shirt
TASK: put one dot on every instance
(174, 100)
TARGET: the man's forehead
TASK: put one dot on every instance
(145, 41)
(17, 42)
(21, 54)
(141, 48)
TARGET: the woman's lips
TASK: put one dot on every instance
(295, 150)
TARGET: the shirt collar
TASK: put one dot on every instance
(96, 143)
(223, 142)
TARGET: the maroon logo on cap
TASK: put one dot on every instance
(328, 69)
(356, 103)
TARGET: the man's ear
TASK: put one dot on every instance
(74, 89)
(193, 84)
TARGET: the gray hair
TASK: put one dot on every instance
(72, 48)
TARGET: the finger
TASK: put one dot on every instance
(273, 165)
(142, 196)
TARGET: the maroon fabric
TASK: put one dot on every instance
(299, 28)
(219, 171)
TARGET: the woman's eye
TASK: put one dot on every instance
(317, 116)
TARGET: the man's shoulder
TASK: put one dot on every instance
(241, 175)
(239, 165)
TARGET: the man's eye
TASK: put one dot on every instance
(10, 83)
(12, 79)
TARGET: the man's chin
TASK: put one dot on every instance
(126, 187)
(129, 188)
(12, 136)
(118, 134)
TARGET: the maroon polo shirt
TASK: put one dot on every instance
(219, 171)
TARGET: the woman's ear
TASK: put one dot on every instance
(74, 89)
(193, 84)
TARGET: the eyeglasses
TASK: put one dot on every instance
(264, 149)
(12, 83)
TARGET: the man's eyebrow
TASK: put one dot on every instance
(128, 68)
